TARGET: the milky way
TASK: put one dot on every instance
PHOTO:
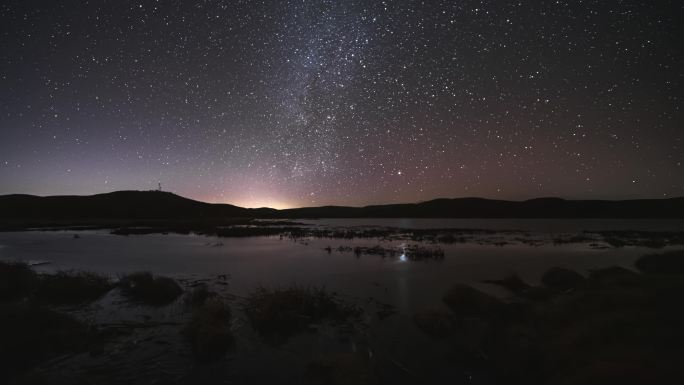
(298, 103)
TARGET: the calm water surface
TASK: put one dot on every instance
(272, 261)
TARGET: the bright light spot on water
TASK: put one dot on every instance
(403, 258)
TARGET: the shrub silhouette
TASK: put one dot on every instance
(147, 289)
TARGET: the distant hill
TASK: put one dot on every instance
(118, 205)
(487, 208)
(165, 205)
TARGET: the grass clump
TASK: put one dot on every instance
(465, 301)
(671, 262)
(522, 289)
(17, 280)
(148, 289)
(559, 278)
(615, 327)
(512, 282)
(30, 334)
(70, 288)
(208, 330)
(279, 313)
(614, 276)
(198, 296)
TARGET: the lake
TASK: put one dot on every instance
(407, 286)
(272, 261)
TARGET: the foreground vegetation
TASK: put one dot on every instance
(35, 325)
(615, 326)
(208, 330)
(148, 289)
(30, 330)
(19, 281)
(277, 314)
(30, 334)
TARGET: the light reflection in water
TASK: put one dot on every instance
(403, 257)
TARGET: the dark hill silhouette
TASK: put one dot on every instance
(487, 208)
(118, 205)
(165, 205)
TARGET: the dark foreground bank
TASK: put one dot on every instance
(613, 326)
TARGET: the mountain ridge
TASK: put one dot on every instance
(131, 204)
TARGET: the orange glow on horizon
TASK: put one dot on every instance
(256, 204)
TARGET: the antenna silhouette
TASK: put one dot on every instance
(160, 188)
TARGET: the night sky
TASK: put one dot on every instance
(300, 103)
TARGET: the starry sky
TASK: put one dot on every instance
(294, 103)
